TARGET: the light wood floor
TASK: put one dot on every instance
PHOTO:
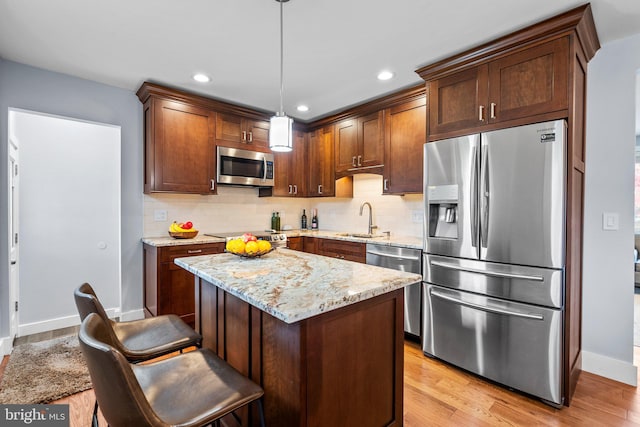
(436, 394)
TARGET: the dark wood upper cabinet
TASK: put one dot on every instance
(405, 135)
(179, 147)
(359, 144)
(290, 169)
(240, 132)
(322, 178)
(517, 86)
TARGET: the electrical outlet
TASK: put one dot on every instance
(159, 215)
(416, 216)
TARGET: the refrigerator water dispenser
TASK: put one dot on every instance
(443, 211)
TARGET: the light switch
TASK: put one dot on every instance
(159, 215)
(417, 216)
(610, 221)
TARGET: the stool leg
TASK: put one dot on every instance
(261, 410)
(94, 418)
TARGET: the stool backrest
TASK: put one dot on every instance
(117, 390)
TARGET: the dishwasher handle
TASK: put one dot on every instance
(495, 310)
(410, 258)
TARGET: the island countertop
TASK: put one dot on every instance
(292, 285)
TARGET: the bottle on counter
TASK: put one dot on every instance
(303, 220)
(273, 221)
(277, 221)
(314, 220)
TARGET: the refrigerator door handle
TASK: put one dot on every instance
(485, 195)
(474, 200)
(487, 272)
(496, 310)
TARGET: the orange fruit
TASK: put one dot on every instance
(251, 247)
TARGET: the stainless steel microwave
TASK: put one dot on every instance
(244, 167)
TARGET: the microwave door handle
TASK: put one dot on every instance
(264, 168)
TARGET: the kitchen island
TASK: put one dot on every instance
(322, 336)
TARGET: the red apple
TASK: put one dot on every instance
(248, 237)
(187, 225)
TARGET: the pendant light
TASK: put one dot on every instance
(281, 129)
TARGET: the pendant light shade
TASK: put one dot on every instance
(281, 129)
(281, 133)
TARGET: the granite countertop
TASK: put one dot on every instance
(170, 241)
(292, 285)
(402, 241)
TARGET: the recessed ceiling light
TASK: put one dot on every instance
(385, 75)
(202, 78)
(303, 108)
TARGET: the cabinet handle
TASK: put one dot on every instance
(319, 188)
(353, 161)
(359, 161)
(213, 184)
(290, 189)
(195, 251)
(385, 184)
(244, 135)
(250, 136)
(492, 110)
(481, 113)
(295, 189)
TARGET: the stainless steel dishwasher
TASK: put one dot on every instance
(403, 259)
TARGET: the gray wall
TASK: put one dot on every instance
(35, 89)
(608, 255)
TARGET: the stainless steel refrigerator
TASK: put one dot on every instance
(493, 265)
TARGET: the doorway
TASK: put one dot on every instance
(66, 217)
(636, 293)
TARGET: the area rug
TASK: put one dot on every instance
(44, 371)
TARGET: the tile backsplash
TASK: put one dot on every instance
(240, 208)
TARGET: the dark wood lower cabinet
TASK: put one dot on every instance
(343, 367)
(168, 289)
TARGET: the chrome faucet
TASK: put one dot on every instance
(371, 226)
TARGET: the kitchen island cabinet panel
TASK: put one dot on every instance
(344, 367)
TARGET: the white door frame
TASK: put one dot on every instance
(13, 228)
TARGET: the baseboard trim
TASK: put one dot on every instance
(58, 323)
(6, 345)
(132, 315)
(608, 367)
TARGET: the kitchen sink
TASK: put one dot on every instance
(360, 235)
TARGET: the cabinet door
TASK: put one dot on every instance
(530, 82)
(346, 145)
(176, 293)
(295, 243)
(458, 101)
(229, 128)
(350, 251)
(258, 133)
(370, 140)
(184, 158)
(406, 134)
(290, 169)
(321, 163)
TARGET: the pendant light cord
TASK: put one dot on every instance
(281, 59)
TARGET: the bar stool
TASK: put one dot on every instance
(144, 339)
(192, 389)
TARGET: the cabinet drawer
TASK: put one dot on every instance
(351, 251)
(169, 253)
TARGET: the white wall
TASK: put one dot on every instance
(240, 209)
(609, 187)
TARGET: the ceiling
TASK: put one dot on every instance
(333, 49)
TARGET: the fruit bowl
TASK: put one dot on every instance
(253, 255)
(183, 234)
